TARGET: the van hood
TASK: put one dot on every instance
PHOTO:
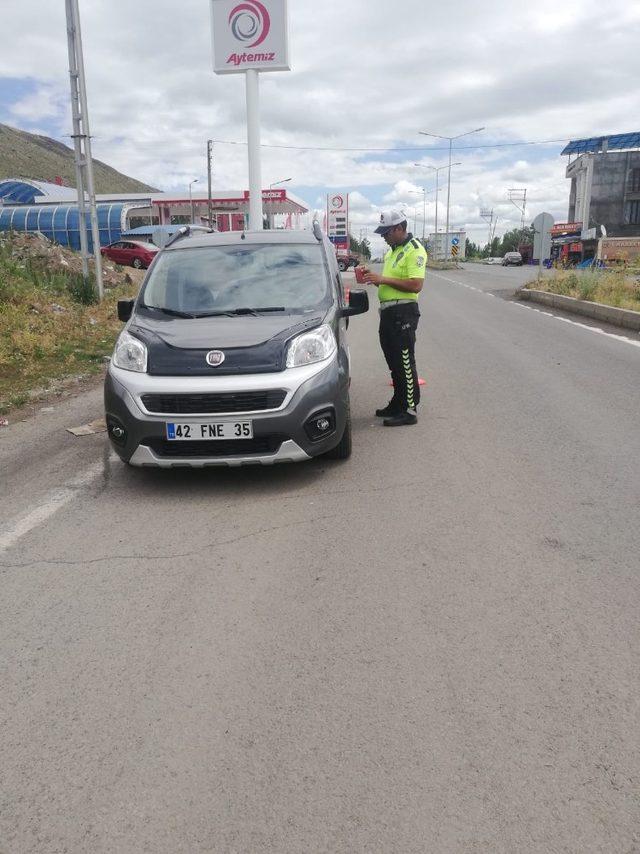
(251, 344)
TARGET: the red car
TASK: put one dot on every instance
(130, 253)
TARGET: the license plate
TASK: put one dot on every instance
(207, 430)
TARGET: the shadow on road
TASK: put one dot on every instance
(216, 481)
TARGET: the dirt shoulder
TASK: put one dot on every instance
(52, 334)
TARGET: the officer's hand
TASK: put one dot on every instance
(372, 278)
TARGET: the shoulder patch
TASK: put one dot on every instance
(420, 261)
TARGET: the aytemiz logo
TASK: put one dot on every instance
(337, 201)
(250, 22)
(240, 58)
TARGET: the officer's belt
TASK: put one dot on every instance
(391, 302)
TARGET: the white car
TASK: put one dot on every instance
(493, 261)
(512, 259)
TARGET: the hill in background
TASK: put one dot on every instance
(27, 155)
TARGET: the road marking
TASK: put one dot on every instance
(624, 339)
(51, 504)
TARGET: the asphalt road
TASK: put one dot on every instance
(432, 647)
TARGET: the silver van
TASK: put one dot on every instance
(234, 352)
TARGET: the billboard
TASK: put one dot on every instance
(338, 219)
(249, 34)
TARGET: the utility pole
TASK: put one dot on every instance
(82, 146)
(518, 197)
(209, 160)
(487, 216)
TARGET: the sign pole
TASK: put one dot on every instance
(250, 36)
(210, 202)
(253, 139)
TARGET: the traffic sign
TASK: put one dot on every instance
(455, 241)
(542, 226)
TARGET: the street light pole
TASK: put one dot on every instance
(437, 170)
(447, 252)
(424, 206)
(451, 139)
(191, 183)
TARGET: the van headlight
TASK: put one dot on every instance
(310, 347)
(130, 354)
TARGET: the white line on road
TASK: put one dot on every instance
(622, 338)
(51, 504)
(595, 329)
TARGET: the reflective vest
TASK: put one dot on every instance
(406, 261)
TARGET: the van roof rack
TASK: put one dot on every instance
(186, 231)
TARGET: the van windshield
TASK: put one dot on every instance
(225, 279)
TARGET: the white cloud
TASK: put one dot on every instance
(364, 76)
(44, 103)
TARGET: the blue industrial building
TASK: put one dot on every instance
(59, 220)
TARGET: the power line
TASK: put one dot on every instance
(417, 148)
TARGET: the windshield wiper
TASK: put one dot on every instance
(254, 312)
(170, 311)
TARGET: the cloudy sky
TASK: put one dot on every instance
(367, 76)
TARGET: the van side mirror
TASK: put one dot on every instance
(358, 304)
(125, 309)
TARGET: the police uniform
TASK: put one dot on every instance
(399, 316)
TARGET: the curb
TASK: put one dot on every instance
(617, 316)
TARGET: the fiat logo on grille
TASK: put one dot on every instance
(215, 358)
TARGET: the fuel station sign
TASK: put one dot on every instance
(249, 34)
(338, 219)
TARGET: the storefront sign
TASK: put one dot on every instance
(566, 229)
(270, 195)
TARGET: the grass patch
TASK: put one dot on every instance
(619, 289)
(50, 326)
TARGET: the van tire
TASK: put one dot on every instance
(342, 450)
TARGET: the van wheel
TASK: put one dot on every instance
(342, 450)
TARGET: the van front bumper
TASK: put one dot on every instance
(139, 436)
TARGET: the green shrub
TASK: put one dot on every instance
(82, 290)
(587, 288)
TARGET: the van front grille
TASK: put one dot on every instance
(192, 404)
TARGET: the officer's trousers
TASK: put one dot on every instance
(398, 325)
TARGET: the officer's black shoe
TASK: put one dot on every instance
(402, 419)
(389, 410)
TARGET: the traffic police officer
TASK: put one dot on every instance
(398, 288)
